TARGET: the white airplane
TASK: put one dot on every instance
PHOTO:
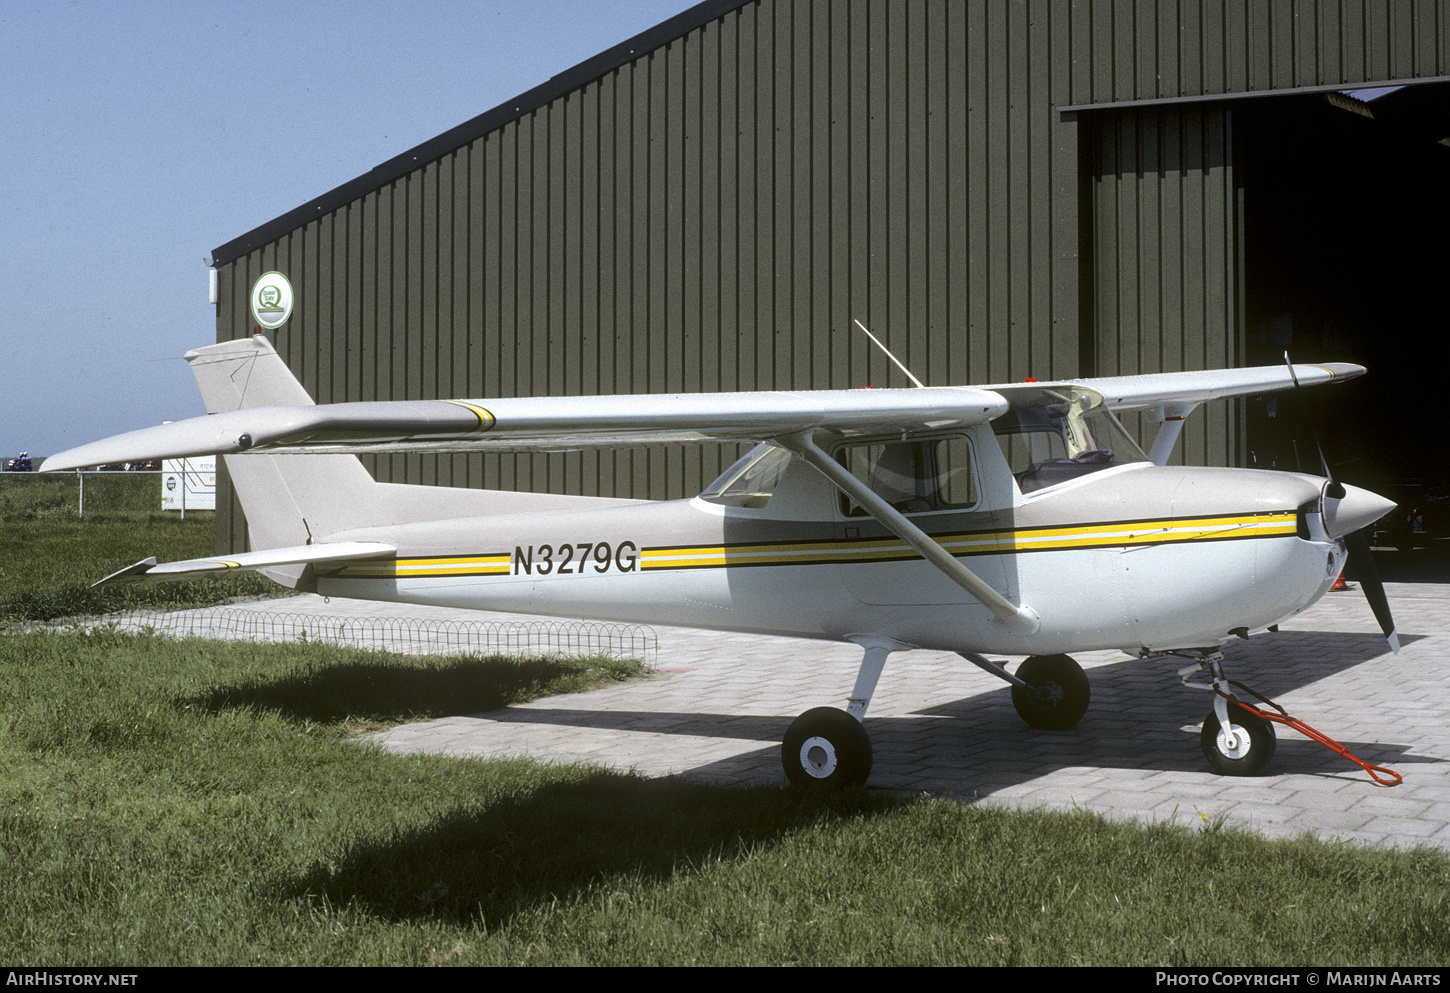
(1017, 519)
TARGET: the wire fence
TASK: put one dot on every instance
(400, 635)
(32, 493)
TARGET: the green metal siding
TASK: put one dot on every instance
(1162, 49)
(1166, 270)
(713, 216)
(1163, 218)
(713, 213)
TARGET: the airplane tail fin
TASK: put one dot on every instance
(248, 372)
(289, 500)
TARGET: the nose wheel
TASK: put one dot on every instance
(1242, 747)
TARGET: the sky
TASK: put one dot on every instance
(138, 137)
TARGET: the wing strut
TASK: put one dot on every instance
(1170, 418)
(1019, 620)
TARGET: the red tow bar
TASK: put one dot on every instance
(1282, 717)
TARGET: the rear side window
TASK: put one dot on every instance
(913, 476)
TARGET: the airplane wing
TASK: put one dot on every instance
(1172, 396)
(234, 375)
(283, 422)
(1188, 389)
(339, 551)
(539, 424)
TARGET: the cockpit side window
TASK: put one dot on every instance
(913, 476)
(1052, 434)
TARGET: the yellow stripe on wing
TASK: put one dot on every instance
(486, 420)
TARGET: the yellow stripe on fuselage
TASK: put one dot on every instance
(861, 550)
(492, 564)
(975, 543)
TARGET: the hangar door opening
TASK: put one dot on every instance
(1346, 211)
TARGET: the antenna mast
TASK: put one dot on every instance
(893, 358)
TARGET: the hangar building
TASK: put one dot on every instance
(999, 188)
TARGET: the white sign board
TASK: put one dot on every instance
(271, 300)
(189, 484)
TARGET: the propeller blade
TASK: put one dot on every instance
(1368, 574)
(1335, 489)
(1364, 503)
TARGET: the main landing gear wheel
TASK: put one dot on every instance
(826, 749)
(1057, 692)
(1243, 753)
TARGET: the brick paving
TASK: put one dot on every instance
(720, 704)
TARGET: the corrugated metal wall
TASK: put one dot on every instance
(1162, 49)
(1167, 265)
(713, 214)
(1164, 224)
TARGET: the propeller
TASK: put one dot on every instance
(1347, 511)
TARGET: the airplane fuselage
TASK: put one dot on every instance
(1016, 519)
(1134, 557)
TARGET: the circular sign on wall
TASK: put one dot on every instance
(271, 300)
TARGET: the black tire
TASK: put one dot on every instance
(1058, 692)
(826, 749)
(1252, 753)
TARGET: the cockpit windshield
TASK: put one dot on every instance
(1053, 434)
(752, 480)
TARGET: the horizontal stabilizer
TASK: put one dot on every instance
(340, 551)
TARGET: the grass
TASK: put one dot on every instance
(32, 495)
(50, 556)
(187, 802)
(196, 803)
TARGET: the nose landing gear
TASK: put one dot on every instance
(1235, 741)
